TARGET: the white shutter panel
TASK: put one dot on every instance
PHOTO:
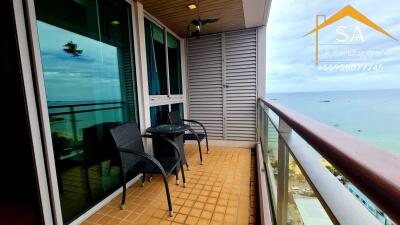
(205, 83)
(241, 81)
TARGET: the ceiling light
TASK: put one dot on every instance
(115, 22)
(192, 6)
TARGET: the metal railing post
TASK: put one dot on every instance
(262, 130)
(283, 174)
(73, 123)
(265, 133)
(259, 121)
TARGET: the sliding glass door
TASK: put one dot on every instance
(20, 194)
(86, 53)
(163, 54)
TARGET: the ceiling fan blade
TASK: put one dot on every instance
(205, 21)
(197, 22)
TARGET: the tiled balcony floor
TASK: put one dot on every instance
(217, 192)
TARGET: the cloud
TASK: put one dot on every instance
(291, 57)
(94, 75)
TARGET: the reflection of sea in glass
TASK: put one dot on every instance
(65, 124)
(89, 80)
(93, 76)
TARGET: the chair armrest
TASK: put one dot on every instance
(197, 122)
(145, 156)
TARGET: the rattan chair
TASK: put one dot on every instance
(175, 118)
(129, 143)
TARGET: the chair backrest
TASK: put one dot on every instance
(128, 137)
(175, 118)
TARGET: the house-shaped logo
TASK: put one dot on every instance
(347, 11)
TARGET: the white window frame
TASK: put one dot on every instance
(157, 100)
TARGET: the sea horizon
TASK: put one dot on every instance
(344, 90)
(371, 115)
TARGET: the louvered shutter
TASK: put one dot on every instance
(241, 84)
(205, 83)
(222, 71)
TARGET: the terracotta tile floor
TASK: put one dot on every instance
(217, 192)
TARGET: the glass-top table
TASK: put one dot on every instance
(175, 133)
(168, 129)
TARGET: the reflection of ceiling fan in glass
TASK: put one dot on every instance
(72, 48)
(195, 26)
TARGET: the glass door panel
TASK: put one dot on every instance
(19, 191)
(174, 65)
(178, 107)
(159, 115)
(86, 50)
(164, 73)
(156, 59)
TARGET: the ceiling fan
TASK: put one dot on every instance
(196, 25)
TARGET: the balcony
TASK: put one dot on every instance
(135, 61)
(294, 183)
(297, 153)
(217, 192)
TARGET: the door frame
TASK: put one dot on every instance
(32, 112)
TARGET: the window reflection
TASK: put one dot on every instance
(156, 60)
(178, 107)
(159, 115)
(174, 63)
(87, 67)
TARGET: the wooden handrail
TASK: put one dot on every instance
(374, 171)
(84, 111)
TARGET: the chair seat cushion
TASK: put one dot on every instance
(193, 137)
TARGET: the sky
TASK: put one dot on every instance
(375, 58)
(94, 75)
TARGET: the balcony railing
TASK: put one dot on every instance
(58, 113)
(304, 143)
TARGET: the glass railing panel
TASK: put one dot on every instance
(357, 193)
(307, 182)
(304, 207)
(364, 200)
(269, 142)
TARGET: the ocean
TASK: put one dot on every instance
(372, 115)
